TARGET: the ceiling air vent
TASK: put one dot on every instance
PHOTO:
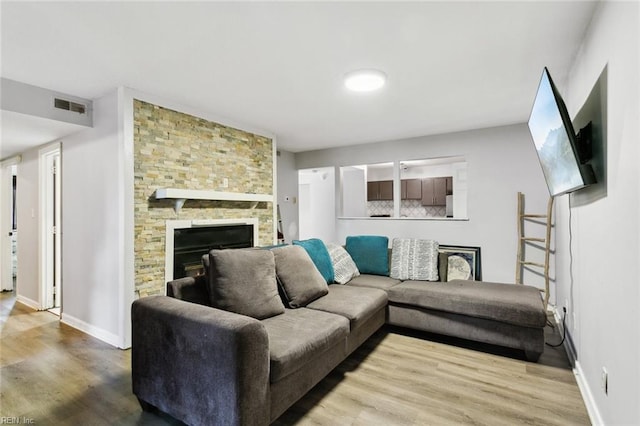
(70, 106)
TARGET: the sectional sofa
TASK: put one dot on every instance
(242, 343)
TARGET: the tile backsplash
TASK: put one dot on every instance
(408, 208)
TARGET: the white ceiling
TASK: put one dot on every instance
(278, 66)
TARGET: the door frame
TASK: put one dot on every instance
(6, 193)
(50, 264)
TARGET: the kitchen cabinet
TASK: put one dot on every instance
(411, 189)
(435, 190)
(381, 190)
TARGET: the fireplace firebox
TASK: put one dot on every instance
(190, 244)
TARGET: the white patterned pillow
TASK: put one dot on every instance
(344, 267)
(413, 259)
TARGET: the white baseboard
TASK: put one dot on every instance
(91, 330)
(30, 303)
(587, 396)
(98, 333)
(583, 385)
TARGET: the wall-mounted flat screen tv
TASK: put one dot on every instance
(556, 141)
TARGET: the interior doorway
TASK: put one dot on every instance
(8, 224)
(50, 225)
(316, 206)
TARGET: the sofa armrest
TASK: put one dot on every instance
(200, 364)
(190, 289)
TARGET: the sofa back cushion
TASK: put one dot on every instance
(344, 268)
(414, 259)
(370, 253)
(319, 255)
(244, 281)
(300, 281)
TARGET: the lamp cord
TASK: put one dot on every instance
(564, 331)
(564, 308)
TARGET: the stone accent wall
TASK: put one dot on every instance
(177, 150)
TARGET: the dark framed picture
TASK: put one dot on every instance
(459, 263)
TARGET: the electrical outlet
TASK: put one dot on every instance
(604, 381)
(225, 183)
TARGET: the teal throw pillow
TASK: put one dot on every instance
(370, 253)
(320, 255)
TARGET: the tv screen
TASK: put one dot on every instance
(555, 141)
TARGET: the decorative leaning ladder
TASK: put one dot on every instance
(521, 262)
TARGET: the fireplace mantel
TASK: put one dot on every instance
(182, 195)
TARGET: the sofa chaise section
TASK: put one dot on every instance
(501, 314)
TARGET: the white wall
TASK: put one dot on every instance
(91, 221)
(28, 210)
(427, 171)
(354, 192)
(379, 173)
(604, 295)
(317, 204)
(501, 162)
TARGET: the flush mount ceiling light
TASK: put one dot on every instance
(365, 80)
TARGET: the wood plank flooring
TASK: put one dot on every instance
(54, 374)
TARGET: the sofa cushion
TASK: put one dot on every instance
(300, 281)
(355, 304)
(374, 281)
(244, 281)
(414, 259)
(370, 253)
(300, 335)
(510, 303)
(344, 268)
(319, 255)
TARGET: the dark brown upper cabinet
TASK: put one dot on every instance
(435, 190)
(381, 190)
(411, 189)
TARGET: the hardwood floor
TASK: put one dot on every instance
(54, 374)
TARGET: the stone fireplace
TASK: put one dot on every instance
(188, 240)
(200, 159)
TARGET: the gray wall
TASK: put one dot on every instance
(91, 221)
(32, 100)
(501, 162)
(598, 242)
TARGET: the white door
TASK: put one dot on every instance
(50, 226)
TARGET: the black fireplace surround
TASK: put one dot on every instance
(190, 244)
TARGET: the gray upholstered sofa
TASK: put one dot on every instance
(205, 365)
(499, 314)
